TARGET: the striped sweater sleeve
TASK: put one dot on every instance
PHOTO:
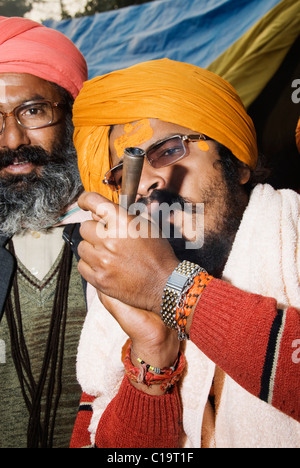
(81, 438)
(253, 341)
(245, 335)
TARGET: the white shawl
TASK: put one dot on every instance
(265, 259)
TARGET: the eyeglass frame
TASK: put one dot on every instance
(184, 138)
(13, 113)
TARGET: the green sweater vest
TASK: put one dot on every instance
(36, 300)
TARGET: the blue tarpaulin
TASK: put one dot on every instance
(193, 31)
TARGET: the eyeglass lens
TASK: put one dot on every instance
(114, 177)
(166, 152)
(162, 154)
(34, 115)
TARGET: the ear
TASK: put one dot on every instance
(244, 174)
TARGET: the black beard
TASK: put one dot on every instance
(212, 256)
(32, 154)
(37, 200)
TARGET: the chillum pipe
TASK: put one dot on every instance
(133, 160)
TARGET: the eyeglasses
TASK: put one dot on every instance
(31, 116)
(161, 154)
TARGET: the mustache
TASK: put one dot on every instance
(163, 196)
(31, 154)
(170, 198)
(178, 243)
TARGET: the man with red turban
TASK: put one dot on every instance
(41, 73)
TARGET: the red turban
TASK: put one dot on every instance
(30, 47)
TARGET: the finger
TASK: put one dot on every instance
(93, 274)
(96, 218)
(88, 274)
(92, 231)
(100, 207)
(88, 201)
(111, 304)
(89, 255)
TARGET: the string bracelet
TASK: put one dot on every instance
(184, 287)
(148, 368)
(151, 375)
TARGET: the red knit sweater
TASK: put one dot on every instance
(245, 335)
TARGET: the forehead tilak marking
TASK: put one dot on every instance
(134, 135)
(203, 145)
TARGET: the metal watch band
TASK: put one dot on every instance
(178, 283)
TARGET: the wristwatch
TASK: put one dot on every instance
(179, 282)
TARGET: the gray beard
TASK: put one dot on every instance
(37, 202)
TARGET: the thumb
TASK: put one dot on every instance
(88, 201)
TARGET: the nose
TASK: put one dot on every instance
(13, 135)
(151, 179)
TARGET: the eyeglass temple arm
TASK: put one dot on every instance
(198, 137)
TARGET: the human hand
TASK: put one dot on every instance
(133, 269)
(151, 340)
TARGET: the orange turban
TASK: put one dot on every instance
(30, 47)
(171, 91)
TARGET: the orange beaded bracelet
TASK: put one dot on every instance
(185, 307)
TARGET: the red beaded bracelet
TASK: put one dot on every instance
(166, 377)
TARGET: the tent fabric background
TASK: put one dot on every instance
(193, 31)
(245, 41)
(252, 61)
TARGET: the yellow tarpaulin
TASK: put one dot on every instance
(251, 62)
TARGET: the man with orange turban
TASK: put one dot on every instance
(227, 282)
(41, 73)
